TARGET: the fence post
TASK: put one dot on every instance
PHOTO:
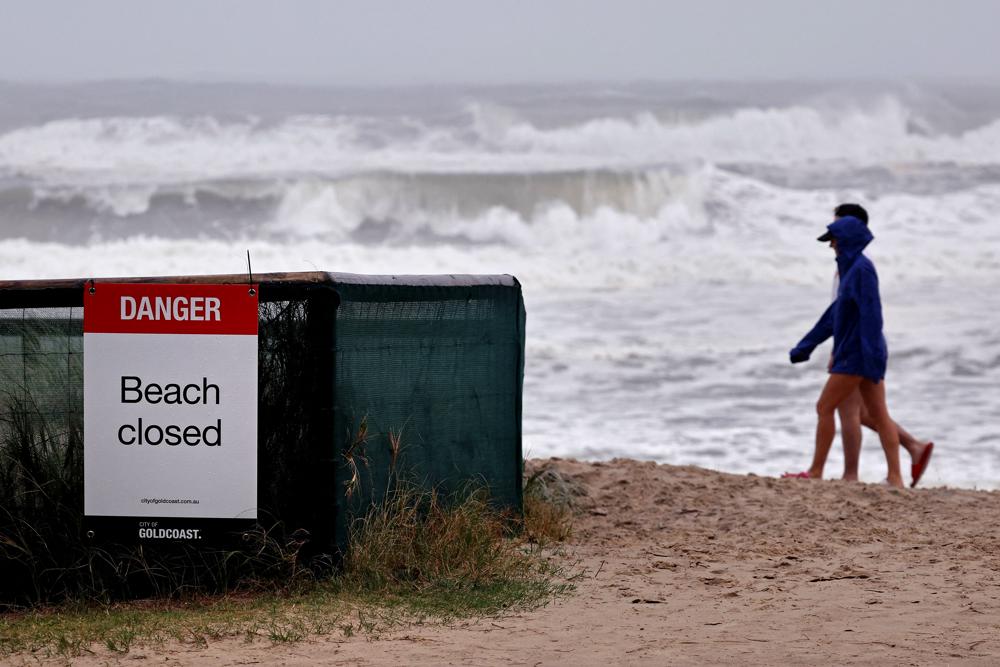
(320, 468)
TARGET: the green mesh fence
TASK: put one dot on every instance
(41, 368)
(359, 378)
(428, 385)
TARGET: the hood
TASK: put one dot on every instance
(852, 236)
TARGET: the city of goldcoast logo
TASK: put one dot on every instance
(149, 530)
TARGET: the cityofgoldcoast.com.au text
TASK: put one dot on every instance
(169, 501)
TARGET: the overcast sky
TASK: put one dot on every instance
(497, 41)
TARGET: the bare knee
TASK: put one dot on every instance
(825, 409)
(848, 415)
(838, 388)
(878, 419)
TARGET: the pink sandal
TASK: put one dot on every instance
(799, 475)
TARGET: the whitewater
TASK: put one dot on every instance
(664, 235)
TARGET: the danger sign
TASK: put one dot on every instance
(170, 407)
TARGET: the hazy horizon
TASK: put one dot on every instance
(448, 42)
(527, 83)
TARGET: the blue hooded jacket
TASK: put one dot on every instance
(855, 318)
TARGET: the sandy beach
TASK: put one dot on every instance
(684, 565)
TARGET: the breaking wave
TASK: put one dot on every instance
(168, 150)
(722, 195)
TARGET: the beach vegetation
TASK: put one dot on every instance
(417, 555)
(417, 558)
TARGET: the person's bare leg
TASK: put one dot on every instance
(873, 396)
(838, 387)
(914, 447)
(850, 433)
(910, 444)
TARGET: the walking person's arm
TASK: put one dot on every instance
(816, 335)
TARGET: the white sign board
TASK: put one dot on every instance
(170, 406)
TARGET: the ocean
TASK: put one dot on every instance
(664, 235)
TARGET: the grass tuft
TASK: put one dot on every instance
(551, 499)
(416, 539)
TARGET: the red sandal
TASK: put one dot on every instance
(921, 465)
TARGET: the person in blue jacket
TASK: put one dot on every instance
(853, 414)
(854, 320)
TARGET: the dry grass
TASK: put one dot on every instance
(545, 521)
(550, 503)
(418, 539)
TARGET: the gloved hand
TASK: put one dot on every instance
(798, 355)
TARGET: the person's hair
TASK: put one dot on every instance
(852, 210)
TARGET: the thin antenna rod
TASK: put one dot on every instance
(250, 274)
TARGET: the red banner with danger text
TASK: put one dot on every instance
(145, 308)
